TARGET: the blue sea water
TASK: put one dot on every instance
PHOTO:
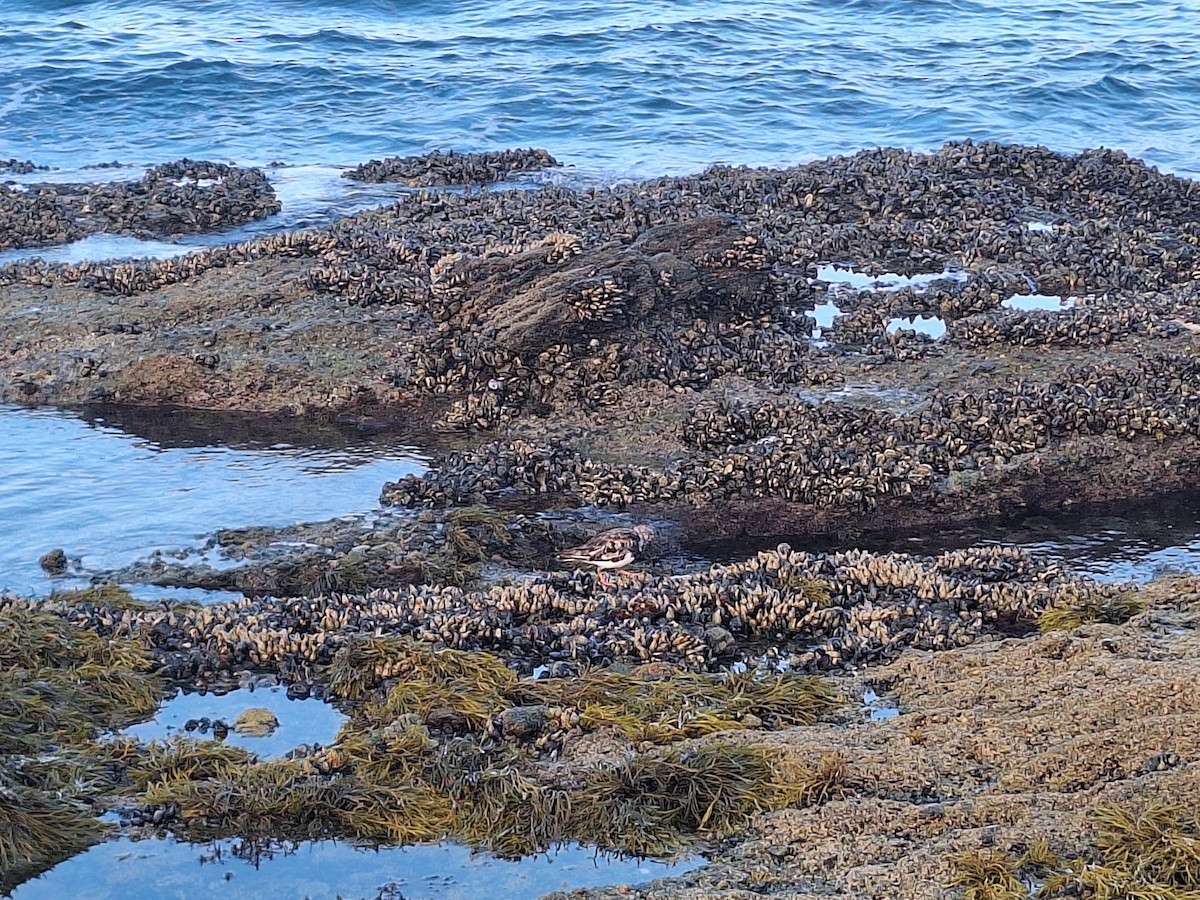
(614, 88)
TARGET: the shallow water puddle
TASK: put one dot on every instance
(153, 594)
(1135, 543)
(108, 495)
(98, 248)
(309, 195)
(847, 277)
(166, 868)
(933, 326)
(861, 395)
(1038, 302)
(823, 314)
(309, 721)
(880, 710)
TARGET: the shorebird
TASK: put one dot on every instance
(612, 549)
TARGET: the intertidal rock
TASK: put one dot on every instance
(184, 197)
(656, 343)
(434, 169)
(832, 610)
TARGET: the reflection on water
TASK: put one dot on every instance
(878, 709)
(110, 488)
(933, 326)
(847, 277)
(227, 870)
(1134, 542)
(309, 721)
(309, 196)
(1036, 302)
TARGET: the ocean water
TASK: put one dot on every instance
(614, 89)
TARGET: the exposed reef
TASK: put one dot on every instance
(184, 197)
(656, 345)
(1003, 757)
(440, 169)
(682, 352)
(820, 611)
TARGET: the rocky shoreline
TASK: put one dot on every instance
(652, 346)
(679, 351)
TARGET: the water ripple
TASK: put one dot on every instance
(630, 88)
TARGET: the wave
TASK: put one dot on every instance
(622, 87)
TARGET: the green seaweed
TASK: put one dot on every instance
(1085, 610)
(990, 875)
(107, 594)
(38, 829)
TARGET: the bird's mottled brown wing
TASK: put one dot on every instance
(606, 547)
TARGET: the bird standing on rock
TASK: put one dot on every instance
(612, 549)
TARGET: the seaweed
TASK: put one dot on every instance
(1147, 852)
(256, 721)
(290, 799)
(106, 594)
(364, 663)
(179, 760)
(990, 875)
(38, 829)
(685, 705)
(649, 804)
(1076, 610)
(829, 779)
(60, 686)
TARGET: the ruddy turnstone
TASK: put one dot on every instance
(612, 549)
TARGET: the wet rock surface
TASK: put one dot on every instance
(475, 580)
(18, 166)
(994, 747)
(653, 353)
(184, 197)
(998, 746)
(434, 169)
(652, 345)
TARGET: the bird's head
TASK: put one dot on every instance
(645, 535)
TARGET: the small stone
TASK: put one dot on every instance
(447, 721)
(1160, 762)
(298, 690)
(522, 722)
(54, 562)
(561, 669)
(718, 638)
(256, 722)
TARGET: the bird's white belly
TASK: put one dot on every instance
(613, 563)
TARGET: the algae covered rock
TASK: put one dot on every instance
(256, 722)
